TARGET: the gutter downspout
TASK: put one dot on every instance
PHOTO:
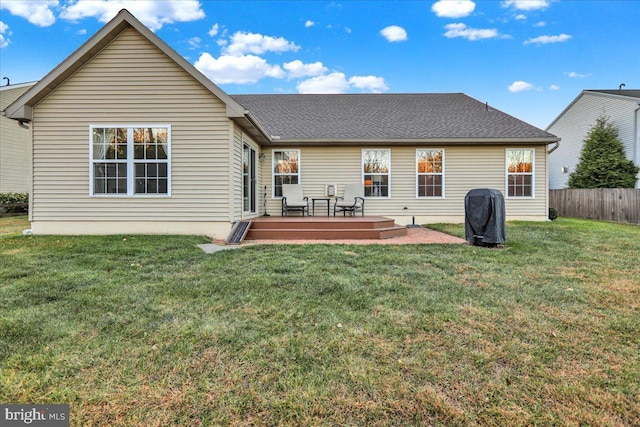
(554, 148)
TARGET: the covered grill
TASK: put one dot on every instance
(484, 219)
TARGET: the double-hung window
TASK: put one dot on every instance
(520, 175)
(286, 169)
(430, 172)
(130, 160)
(376, 172)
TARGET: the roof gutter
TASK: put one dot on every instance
(439, 141)
(256, 123)
(554, 148)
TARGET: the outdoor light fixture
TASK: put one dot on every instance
(261, 157)
(564, 169)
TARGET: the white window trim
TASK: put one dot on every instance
(533, 172)
(130, 160)
(362, 173)
(442, 173)
(273, 174)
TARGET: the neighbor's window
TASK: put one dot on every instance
(130, 160)
(520, 172)
(286, 169)
(430, 166)
(376, 167)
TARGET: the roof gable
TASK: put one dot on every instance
(22, 108)
(632, 95)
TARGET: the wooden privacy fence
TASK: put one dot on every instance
(606, 204)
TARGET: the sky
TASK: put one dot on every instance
(528, 58)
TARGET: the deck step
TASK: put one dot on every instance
(318, 228)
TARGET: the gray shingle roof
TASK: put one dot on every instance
(385, 117)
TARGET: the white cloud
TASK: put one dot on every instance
(521, 17)
(153, 14)
(309, 23)
(519, 86)
(526, 4)
(243, 43)
(574, 75)
(214, 30)
(237, 69)
(394, 33)
(81, 32)
(4, 35)
(554, 87)
(461, 30)
(337, 83)
(369, 83)
(36, 12)
(540, 24)
(548, 39)
(453, 8)
(298, 69)
(194, 42)
(331, 83)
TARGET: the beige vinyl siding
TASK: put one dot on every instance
(15, 146)
(236, 167)
(131, 82)
(465, 168)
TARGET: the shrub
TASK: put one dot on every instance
(603, 163)
(553, 213)
(14, 202)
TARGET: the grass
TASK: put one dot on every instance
(149, 330)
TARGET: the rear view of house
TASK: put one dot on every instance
(128, 137)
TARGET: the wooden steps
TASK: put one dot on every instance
(323, 228)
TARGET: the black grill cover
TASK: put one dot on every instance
(484, 217)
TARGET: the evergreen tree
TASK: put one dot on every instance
(602, 161)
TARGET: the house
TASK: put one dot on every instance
(128, 137)
(622, 106)
(15, 145)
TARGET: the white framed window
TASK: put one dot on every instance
(520, 167)
(376, 172)
(430, 172)
(128, 160)
(285, 167)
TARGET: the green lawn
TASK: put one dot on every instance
(150, 330)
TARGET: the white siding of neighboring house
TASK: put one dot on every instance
(574, 125)
(465, 168)
(15, 146)
(131, 82)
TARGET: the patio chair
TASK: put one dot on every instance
(293, 199)
(352, 201)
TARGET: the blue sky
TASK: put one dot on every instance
(529, 58)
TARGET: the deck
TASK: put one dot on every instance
(323, 228)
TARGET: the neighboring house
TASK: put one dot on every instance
(130, 138)
(575, 122)
(15, 145)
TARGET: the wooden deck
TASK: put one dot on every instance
(323, 228)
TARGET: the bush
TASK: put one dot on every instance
(603, 163)
(14, 202)
(553, 213)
